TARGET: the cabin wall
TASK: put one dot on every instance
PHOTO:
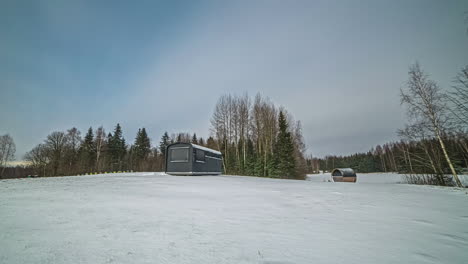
(212, 164)
(177, 166)
(195, 162)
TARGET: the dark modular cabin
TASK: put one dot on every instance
(191, 159)
(344, 175)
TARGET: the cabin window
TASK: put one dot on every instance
(179, 155)
(199, 155)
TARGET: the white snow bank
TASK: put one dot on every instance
(321, 177)
(156, 218)
(464, 180)
(380, 178)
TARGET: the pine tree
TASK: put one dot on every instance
(146, 143)
(210, 143)
(165, 141)
(135, 158)
(194, 139)
(87, 151)
(250, 158)
(284, 149)
(142, 148)
(117, 147)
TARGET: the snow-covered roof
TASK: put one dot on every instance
(206, 149)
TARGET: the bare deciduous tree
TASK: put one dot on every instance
(426, 108)
(7, 150)
(100, 140)
(73, 144)
(38, 157)
(56, 143)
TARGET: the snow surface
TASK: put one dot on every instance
(378, 177)
(156, 218)
(464, 180)
(362, 177)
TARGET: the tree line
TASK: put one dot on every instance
(258, 138)
(255, 137)
(434, 142)
(70, 153)
(403, 157)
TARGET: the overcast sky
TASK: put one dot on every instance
(335, 65)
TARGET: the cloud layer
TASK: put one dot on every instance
(336, 66)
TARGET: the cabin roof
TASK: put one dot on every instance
(199, 147)
(206, 149)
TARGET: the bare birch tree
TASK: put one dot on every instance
(99, 142)
(73, 144)
(426, 107)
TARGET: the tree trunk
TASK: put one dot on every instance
(447, 158)
(409, 160)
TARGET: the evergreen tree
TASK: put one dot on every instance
(87, 152)
(284, 149)
(201, 142)
(142, 147)
(117, 147)
(145, 143)
(250, 158)
(210, 143)
(194, 139)
(165, 141)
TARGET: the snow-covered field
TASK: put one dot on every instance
(378, 177)
(155, 218)
(362, 177)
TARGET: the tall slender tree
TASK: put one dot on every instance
(99, 143)
(72, 149)
(117, 147)
(165, 141)
(284, 149)
(194, 139)
(87, 151)
(141, 148)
